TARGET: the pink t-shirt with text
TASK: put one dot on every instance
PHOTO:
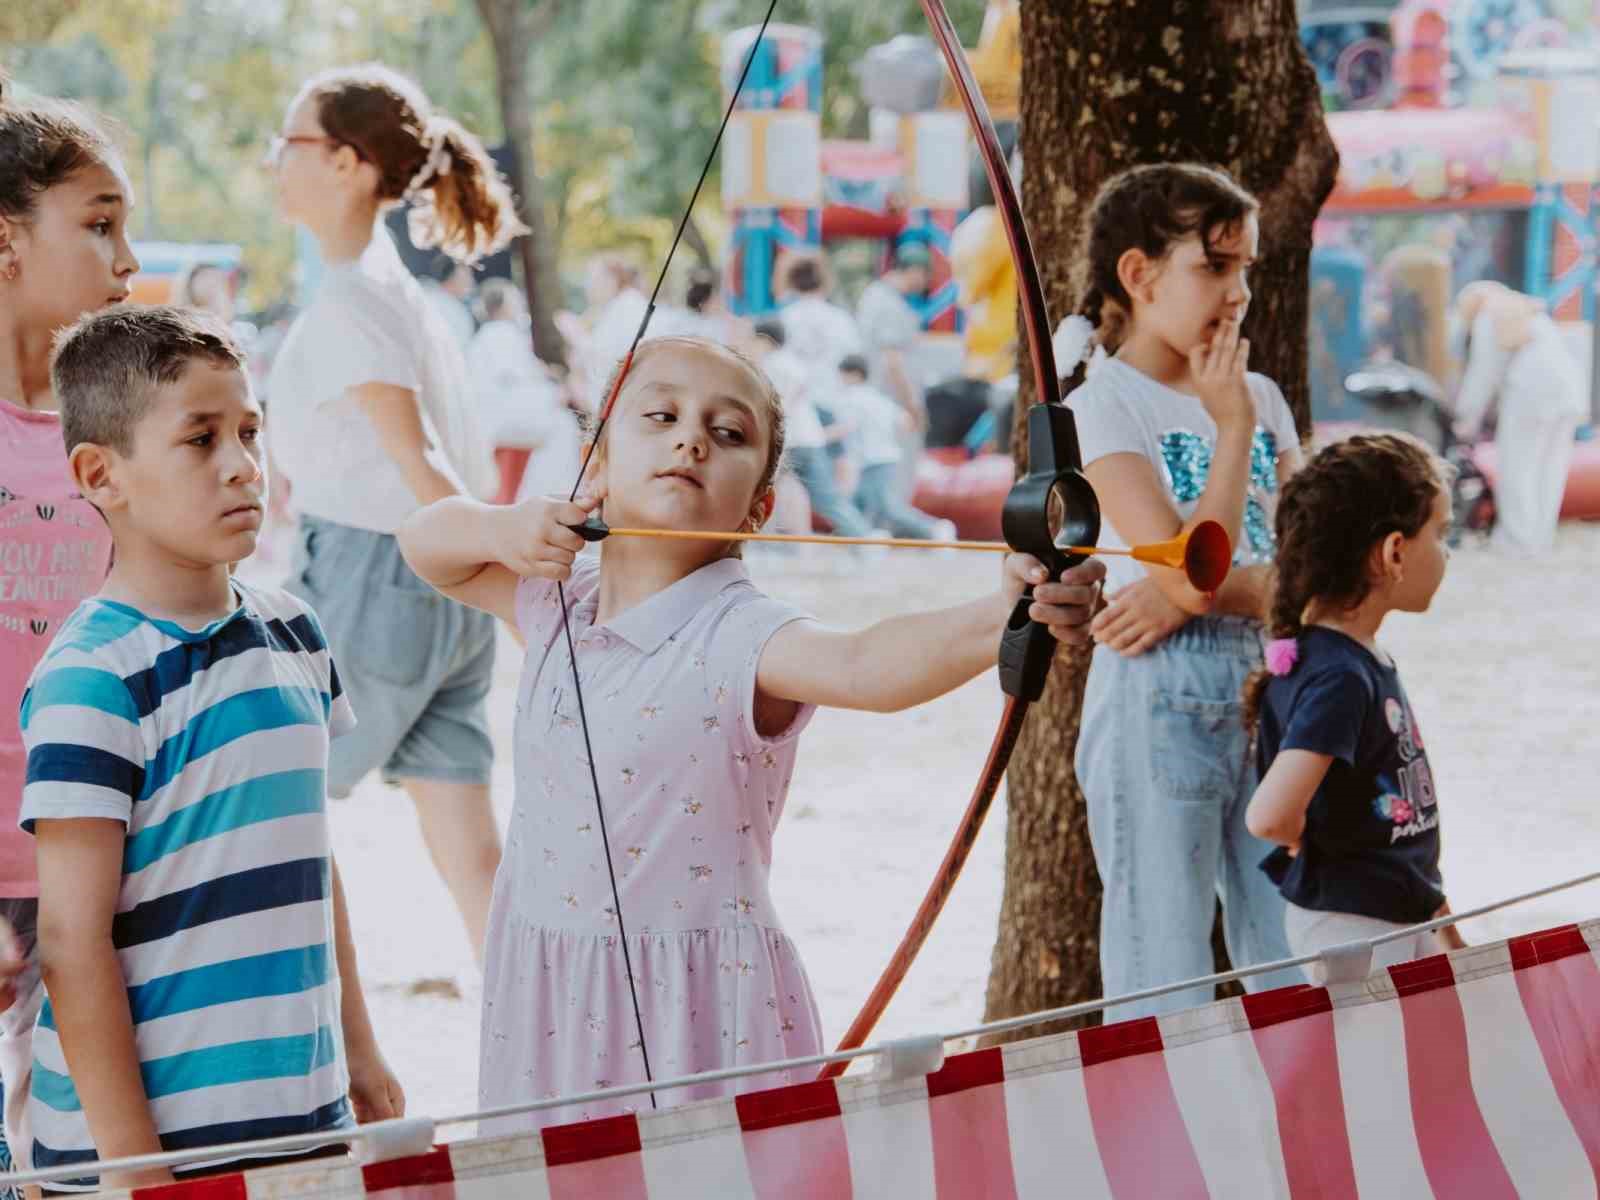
(54, 550)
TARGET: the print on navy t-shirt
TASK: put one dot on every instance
(1371, 841)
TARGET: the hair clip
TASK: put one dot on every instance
(436, 164)
(1282, 654)
(1072, 341)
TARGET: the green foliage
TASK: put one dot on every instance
(627, 96)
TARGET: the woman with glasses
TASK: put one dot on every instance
(373, 418)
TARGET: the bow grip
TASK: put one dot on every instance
(1052, 506)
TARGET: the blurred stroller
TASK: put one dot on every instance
(1414, 399)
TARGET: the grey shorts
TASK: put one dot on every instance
(416, 666)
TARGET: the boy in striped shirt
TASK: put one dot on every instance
(192, 930)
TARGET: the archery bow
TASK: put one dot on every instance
(1054, 479)
(1055, 468)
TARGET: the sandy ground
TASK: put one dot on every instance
(1503, 674)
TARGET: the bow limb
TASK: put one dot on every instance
(1047, 390)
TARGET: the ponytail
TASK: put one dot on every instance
(460, 203)
(1098, 324)
(462, 206)
(1286, 607)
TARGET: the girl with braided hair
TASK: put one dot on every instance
(1346, 791)
(373, 418)
(1175, 431)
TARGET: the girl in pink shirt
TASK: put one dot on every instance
(64, 200)
(696, 687)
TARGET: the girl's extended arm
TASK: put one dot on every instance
(476, 553)
(905, 661)
(1277, 811)
(80, 875)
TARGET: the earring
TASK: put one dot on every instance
(11, 272)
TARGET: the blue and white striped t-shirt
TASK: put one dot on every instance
(211, 746)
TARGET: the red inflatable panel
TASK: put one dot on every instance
(968, 491)
(1582, 499)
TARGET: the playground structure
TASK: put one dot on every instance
(1467, 126)
(1467, 137)
(788, 192)
(1472, 112)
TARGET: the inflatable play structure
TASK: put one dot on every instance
(787, 191)
(1468, 150)
(1466, 134)
(790, 193)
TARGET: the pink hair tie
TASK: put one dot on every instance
(1282, 654)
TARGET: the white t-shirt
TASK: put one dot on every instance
(802, 428)
(878, 421)
(1540, 379)
(888, 322)
(457, 316)
(819, 334)
(610, 337)
(370, 323)
(517, 399)
(1119, 409)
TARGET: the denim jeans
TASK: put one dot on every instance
(1165, 768)
(814, 467)
(878, 496)
(417, 667)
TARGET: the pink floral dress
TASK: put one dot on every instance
(692, 795)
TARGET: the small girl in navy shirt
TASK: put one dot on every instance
(1346, 791)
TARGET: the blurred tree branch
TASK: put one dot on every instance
(515, 27)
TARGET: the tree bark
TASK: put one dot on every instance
(694, 237)
(512, 26)
(1109, 84)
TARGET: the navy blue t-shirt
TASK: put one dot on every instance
(1371, 842)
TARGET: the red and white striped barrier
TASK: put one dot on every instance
(1472, 1075)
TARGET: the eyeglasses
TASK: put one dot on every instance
(276, 147)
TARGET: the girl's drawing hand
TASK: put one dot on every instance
(1218, 367)
(535, 538)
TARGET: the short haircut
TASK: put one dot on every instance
(772, 329)
(805, 276)
(498, 297)
(855, 364)
(107, 367)
(702, 288)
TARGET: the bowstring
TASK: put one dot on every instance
(583, 469)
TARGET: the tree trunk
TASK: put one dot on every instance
(694, 237)
(512, 26)
(1109, 84)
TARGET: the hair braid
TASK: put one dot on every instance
(1331, 514)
